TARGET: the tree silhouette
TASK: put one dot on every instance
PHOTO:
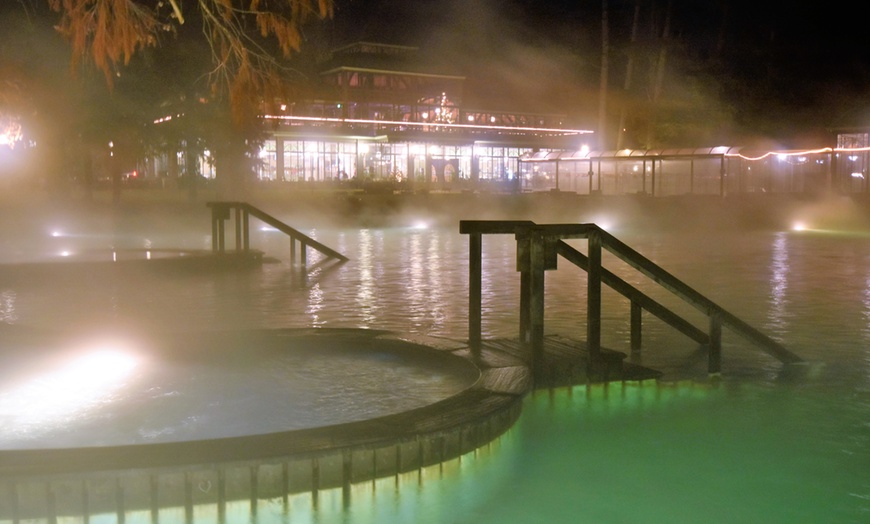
(232, 67)
(110, 32)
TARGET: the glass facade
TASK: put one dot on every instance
(716, 171)
(294, 159)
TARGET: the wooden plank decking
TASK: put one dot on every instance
(565, 362)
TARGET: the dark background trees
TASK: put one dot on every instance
(208, 64)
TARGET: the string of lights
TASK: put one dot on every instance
(789, 154)
(328, 120)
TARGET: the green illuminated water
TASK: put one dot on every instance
(630, 453)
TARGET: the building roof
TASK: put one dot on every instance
(384, 58)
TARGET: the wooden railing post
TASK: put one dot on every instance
(525, 306)
(714, 363)
(524, 266)
(536, 302)
(246, 229)
(593, 296)
(238, 225)
(221, 235)
(475, 269)
(214, 230)
(636, 325)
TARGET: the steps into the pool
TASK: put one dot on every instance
(242, 212)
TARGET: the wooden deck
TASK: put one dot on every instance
(565, 362)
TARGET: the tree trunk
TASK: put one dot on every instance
(602, 96)
(191, 157)
(232, 170)
(659, 78)
(723, 30)
(629, 70)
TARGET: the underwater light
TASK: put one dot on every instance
(73, 386)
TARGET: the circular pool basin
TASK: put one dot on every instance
(87, 391)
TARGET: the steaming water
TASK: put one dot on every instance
(768, 444)
(116, 392)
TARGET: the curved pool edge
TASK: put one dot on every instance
(87, 481)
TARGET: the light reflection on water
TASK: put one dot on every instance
(807, 290)
(779, 282)
(773, 444)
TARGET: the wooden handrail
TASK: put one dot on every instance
(635, 295)
(694, 298)
(537, 248)
(220, 211)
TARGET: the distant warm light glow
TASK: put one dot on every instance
(799, 226)
(858, 175)
(604, 222)
(420, 224)
(167, 118)
(10, 132)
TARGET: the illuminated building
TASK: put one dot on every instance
(373, 115)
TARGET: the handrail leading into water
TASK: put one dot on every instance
(221, 211)
(538, 247)
(715, 312)
(637, 297)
